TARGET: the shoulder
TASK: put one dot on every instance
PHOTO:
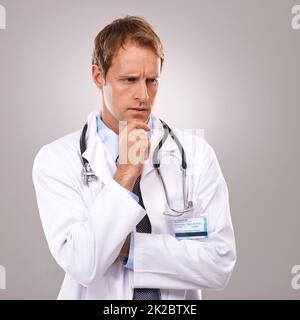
(58, 153)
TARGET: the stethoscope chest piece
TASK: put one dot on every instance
(87, 174)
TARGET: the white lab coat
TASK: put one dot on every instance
(86, 226)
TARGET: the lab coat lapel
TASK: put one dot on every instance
(96, 153)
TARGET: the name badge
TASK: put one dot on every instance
(191, 228)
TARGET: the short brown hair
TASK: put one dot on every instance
(116, 34)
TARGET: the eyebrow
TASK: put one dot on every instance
(136, 76)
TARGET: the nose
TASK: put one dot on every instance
(142, 91)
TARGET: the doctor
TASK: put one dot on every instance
(117, 236)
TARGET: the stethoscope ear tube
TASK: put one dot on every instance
(168, 131)
(156, 162)
(86, 173)
(83, 142)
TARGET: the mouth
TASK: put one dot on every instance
(138, 109)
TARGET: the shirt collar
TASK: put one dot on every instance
(110, 138)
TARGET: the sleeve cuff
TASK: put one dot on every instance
(134, 196)
(129, 263)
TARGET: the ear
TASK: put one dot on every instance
(97, 76)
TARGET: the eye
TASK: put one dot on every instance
(153, 81)
(129, 80)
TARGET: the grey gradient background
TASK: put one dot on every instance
(232, 68)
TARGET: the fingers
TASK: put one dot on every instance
(147, 151)
(134, 143)
(136, 124)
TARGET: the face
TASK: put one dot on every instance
(131, 85)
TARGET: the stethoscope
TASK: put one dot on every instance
(88, 175)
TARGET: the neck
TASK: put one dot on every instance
(110, 121)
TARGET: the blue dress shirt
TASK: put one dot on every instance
(111, 141)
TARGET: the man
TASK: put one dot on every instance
(110, 235)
